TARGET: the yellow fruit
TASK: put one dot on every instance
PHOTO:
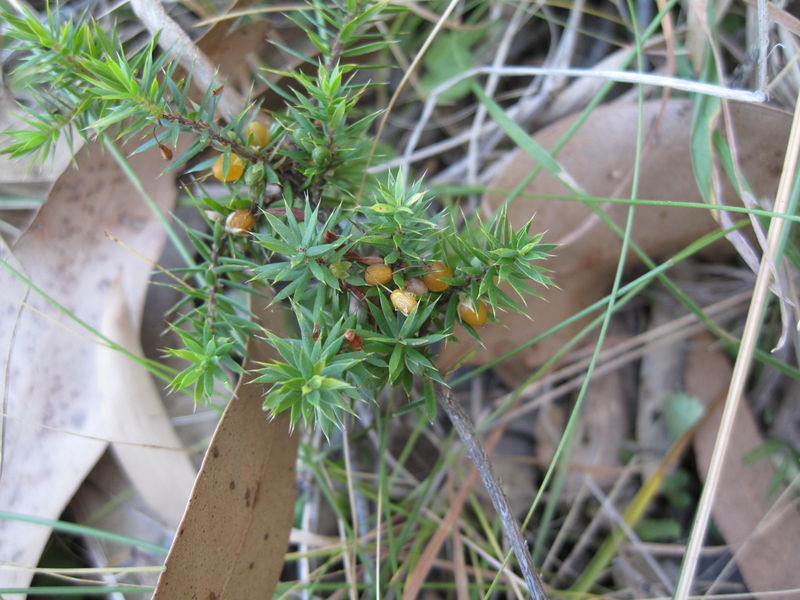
(235, 168)
(377, 274)
(433, 278)
(470, 316)
(240, 222)
(257, 134)
(403, 301)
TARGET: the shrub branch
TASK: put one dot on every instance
(477, 454)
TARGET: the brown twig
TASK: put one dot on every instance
(205, 128)
(466, 431)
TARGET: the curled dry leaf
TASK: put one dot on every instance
(51, 391)
(600, 156)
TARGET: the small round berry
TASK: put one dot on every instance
(415, 285)
(240, 222)
(235, 168)
(470, 316)
(433, 278)
(378, 274)
(257, 134)
(403, 301)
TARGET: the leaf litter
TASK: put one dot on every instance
(66, 254)
(600, 159)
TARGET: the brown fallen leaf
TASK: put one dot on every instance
(51, 390)
(764, 546)
(235, 533)
(600, 156)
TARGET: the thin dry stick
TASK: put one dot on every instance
(436, 541)
(459, 562)
(743, 361)
(466, 431)
(410, 71)
(353, 511)
(515, 582)
(426, 559)
(19, 304)
(676, 83)
(609, 360)
(473, 150)
(577, 510)
(173, 39)
(785, 503)
(617, 518)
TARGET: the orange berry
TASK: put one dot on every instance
(433, 278)
(470, 316)
(403, 301)
(235, 168)
(257, 134)
(377, 274)
(240, 222)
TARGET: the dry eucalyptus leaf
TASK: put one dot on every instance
(763, 538)
(235, 533)
(600, 156)
(145, 443)
(51, 391)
